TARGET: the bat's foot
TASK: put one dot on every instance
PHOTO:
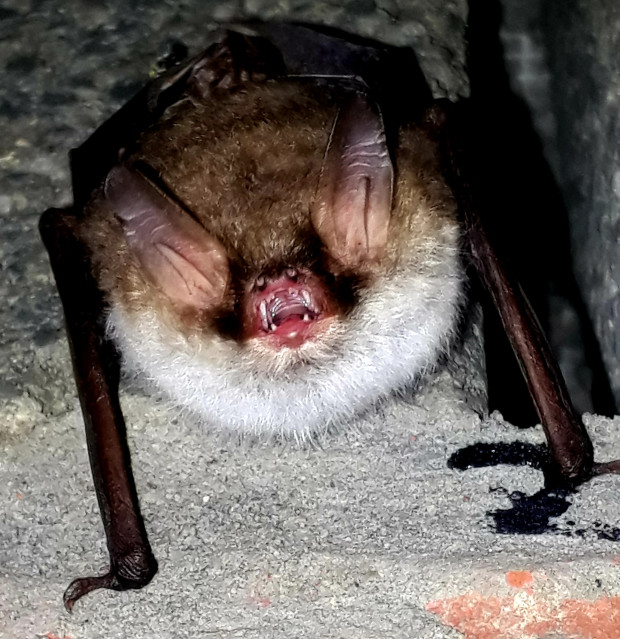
(127, 573)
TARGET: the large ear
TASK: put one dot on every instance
(177, 254)
(353, 203)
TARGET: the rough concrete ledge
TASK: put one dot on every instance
(368, 534)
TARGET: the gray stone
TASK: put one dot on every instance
(583, 39)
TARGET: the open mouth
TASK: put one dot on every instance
(286, 309)
(287, 305)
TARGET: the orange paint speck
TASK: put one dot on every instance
(519, 578)
(480, 617)
(598, 619)
(526, 616)
(19, 495)
(261, 602)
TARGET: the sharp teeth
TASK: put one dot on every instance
(306, 297)
(263, 314)
(306, 317)
(272, 327)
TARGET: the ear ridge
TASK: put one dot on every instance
(353, 202)
(176, 253)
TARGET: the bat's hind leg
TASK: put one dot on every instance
(96, 368)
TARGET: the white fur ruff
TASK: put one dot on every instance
(394, 335)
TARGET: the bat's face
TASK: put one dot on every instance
(271, 264)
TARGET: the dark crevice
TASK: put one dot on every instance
(528, 223)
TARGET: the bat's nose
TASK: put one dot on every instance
(263, 280)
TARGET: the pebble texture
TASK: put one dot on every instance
(365, 534)
(583, 40)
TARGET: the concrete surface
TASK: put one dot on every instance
(365, 534)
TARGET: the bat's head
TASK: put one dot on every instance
(267, 234)
(265, 239)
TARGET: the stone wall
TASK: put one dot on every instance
(564, 61)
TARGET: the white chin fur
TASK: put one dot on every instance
(394, 335)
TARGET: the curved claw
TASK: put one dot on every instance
(134, 577)
(83, 585)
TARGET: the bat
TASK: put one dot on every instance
(277, 242)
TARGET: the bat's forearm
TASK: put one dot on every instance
(96, 371)
(568, 440)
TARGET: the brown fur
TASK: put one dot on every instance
(246, 164)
